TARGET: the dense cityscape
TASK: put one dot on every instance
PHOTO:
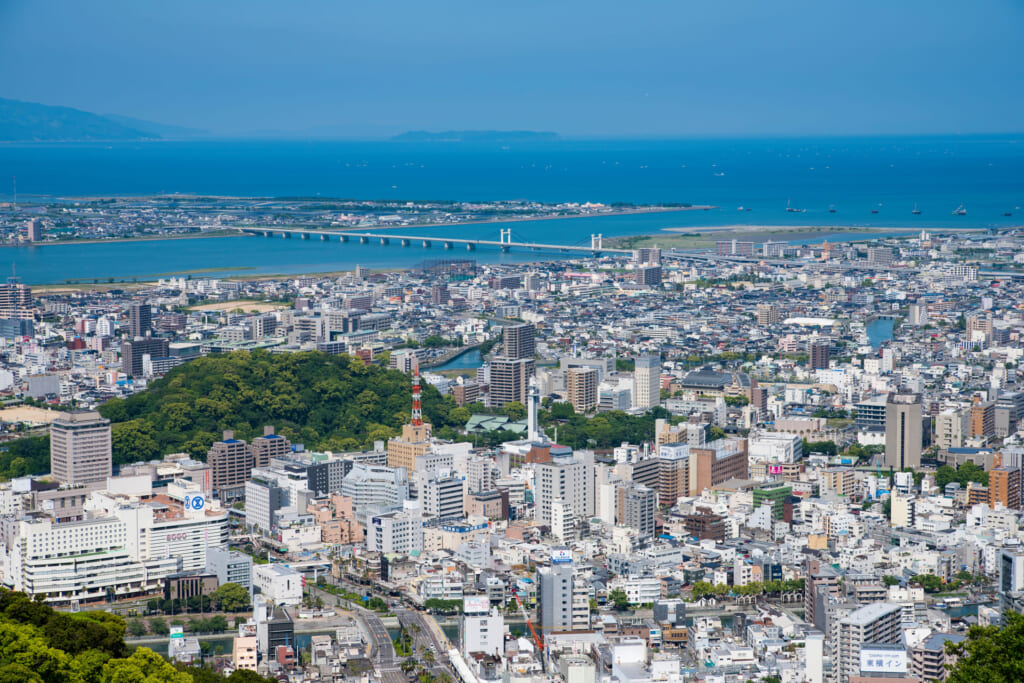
(762, 461)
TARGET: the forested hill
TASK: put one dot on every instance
(325, 402)
(41, 644)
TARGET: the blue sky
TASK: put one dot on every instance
(596, 68)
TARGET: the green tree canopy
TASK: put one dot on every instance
(990, 654)
(231, 597)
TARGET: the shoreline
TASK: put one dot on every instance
(807, 229)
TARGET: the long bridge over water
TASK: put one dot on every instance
(596, 248)
(505, 243)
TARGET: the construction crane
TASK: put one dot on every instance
(536, 637)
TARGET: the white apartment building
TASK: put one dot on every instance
(774, 447)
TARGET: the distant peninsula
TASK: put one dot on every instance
(476, 136)
(31, 122)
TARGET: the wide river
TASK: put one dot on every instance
(126, 261)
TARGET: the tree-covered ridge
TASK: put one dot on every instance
(40, 645)
(325, 402)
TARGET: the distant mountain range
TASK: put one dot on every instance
(476, 136)
(31, 122)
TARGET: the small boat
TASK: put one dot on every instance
(740, 209)
(874, 210)
(791, 209)
(960, 211)
(916, 211)
(831, 208)
(1007, 213)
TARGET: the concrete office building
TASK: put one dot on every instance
(982, 418)
(519, 341)
(80, 448)
(570, 480)
(903, 433)
(263, 499)
(230, 462)
(510, 380)
(441, 496)
(230, 566)
(375, 489)
(648, 276)
(398, 531)
(140, 319)
(581, 388)
(717, 462)
(647, 382)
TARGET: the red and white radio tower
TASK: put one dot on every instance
(417, 409)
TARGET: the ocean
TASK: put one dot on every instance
(853, 176)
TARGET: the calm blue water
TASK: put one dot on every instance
(985, 174)
(855, 175)
(469, 360)
(879, 330)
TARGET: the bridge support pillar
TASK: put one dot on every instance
(447, 245)
(405, 242)
(267, 233)
(364, 240)
(305, 235)
(426, 244)
(286, 235)
(325, 238)
(504, 250)
(343, 238)
(384, 241)
(470, 247)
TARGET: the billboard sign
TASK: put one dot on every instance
(561, 556)
(177, 632)
(476, 604)
(882, 660)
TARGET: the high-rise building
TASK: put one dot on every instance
(510, 380)
(554, 598)
(15, 300)
(879, 623)
(519, 341)
(140, 319)
(918, 314)
(903, 434)
(647, 256)
(581, 388)
(647, 382)
(132, 353)
(570, 480)
(930, 659)
(230, 462)
(820, 353)
(983, 418)
(717, 462)
(881, 256)
(33, 230)
(439, 295)
(441, 497)
(1004, 487)
(636, 506)
(648, 276)
(768, 314)
(268, 446)
(949, 429)
(80, 448)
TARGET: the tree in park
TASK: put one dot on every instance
(231, 597)
(619, 599)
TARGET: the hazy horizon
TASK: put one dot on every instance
(590, 70)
